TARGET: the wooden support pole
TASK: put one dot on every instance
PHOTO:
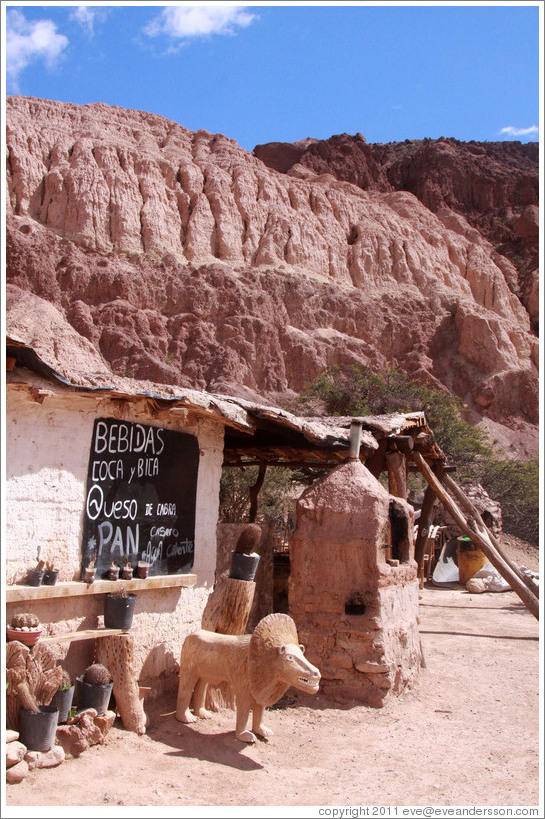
(470, 507)
(254, 491)
(397, 474)
(424, 522)
(481, 539)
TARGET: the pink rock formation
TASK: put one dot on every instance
(183, 259)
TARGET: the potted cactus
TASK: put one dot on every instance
(113, 571)
(142, 569)
(51, 574)
(94, 688)
(62, 699)
(127, 570)
(119, 609)
(25, 627)
(35, 576)
(90, 571)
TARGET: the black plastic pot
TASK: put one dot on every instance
(35, 577)
(37, 729)
(118, 610)
(50, 577)
(92, 695)
(62, 699)
(243, 566)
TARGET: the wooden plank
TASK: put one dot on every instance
(20, 594)
(87, 634)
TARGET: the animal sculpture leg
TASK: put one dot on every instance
(199, 699)
(257, 724)
(185, 691)
(243, 712)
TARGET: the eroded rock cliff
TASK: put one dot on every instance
(184, 259)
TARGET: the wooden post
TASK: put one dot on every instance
(480, 538)
(254, 491)
(424, 522)
(228, 606)
(226, 612)
(397, 474)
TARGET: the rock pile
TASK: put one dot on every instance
(80, 732)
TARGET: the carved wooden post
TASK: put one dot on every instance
(116, 652)
(226, 612)
(228, 608)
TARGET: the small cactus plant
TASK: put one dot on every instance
(248, 539)
(27, 620)
(66, 682)
(97, 674)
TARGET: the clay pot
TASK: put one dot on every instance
(27, 638)
(89, 575)
(113, 573)
(142, 570)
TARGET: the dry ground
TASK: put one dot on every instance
(466, 734)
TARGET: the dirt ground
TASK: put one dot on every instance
(466, 734)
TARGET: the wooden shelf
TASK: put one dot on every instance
(20, 594)
(87, 634)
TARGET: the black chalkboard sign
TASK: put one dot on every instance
(140, 503)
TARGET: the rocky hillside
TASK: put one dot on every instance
(493, 185)
(186, 260)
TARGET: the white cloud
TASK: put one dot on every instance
(27, 42)
(85, 16)
(511, 130)
(186, 22)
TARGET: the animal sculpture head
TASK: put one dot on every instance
(276, 661)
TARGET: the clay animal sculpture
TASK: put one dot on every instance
(260, 668)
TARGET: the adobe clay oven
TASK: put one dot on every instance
(356, 613)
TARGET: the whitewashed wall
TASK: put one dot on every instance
(47, 455)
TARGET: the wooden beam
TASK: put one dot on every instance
(481, 539)
(404, 443)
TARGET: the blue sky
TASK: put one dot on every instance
(282, 72)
